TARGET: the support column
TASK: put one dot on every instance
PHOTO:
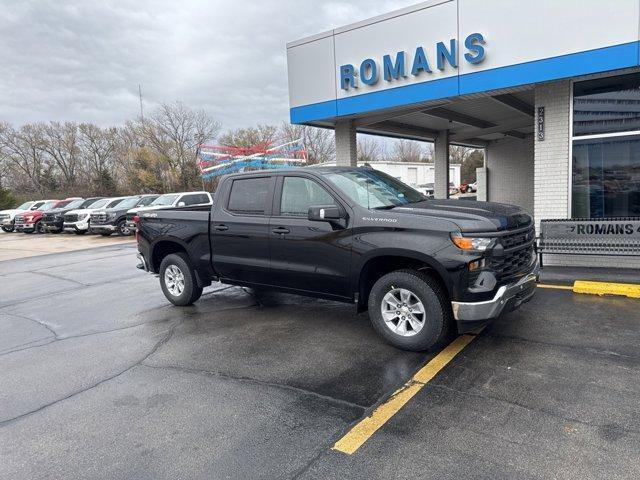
(346, 144)
(441, 165)
(551, 155)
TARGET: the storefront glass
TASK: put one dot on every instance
(606, 148)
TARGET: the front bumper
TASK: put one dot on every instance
(508, 297)
(52, 226)
(75, 226)
(25, 227)
(102, 228)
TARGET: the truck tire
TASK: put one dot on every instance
(106, 234)
(80, 232)
(7, 229)
(410, 310)
(178, 280)
(122, 229)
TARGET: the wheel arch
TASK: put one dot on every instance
(388, 260)
(163, 247)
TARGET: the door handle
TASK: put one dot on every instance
(281, 230)
(220, 228)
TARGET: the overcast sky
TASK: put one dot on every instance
(83, 60)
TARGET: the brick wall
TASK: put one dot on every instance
(510, 171)
(551, 155)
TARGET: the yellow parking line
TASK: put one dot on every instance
(556, 287)
(364, 429)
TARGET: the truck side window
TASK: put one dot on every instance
(189, 199)
(298, 194)
(249, 195)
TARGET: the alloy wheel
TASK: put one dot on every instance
(174, 280)
(403, 312)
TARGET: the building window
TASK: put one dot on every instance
(606, 148)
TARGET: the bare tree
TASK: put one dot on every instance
(98, 149)
(23, 156)
(174, 132)
(60, 142)
(370, 149)
(409, 151)
(249, 137)
(459, 154)
(319, 142)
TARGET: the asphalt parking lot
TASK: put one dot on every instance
(100, 377)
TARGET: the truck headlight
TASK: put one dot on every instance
(111, 216)
(478, 244)
(82, 216)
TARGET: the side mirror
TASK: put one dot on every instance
(325, 213)
(181, 204)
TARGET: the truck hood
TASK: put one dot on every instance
(470, 215)
(12, 213)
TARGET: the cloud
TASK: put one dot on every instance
(83, 61)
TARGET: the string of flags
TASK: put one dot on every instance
(216, 160)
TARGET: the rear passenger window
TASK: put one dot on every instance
(189, 199)
(249, 196)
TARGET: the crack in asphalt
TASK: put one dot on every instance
(153, 350)
(226, 376)
(528, 408)
(603, 353)
(37, 322)
(57, 277)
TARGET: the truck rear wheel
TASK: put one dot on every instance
(410, 310)
(178, 280)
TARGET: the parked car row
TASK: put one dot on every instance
(100, 215)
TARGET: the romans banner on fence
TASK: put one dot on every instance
(216, 160)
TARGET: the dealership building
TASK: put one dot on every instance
(549, 89)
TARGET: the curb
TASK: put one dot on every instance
(630, 290)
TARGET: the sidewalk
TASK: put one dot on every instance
(567, 275)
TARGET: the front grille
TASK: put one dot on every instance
(71, 217)
(98, 217)
(4, 216)
(49, 217)
(19, 218)
(516, 262)
(519, 253)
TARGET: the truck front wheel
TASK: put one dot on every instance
(410, 310)
(178, 280)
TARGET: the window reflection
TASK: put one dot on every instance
(606, 177)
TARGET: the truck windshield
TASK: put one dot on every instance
(75, 204)
(373, 189)
(128, 203)
(24, 206)
(164, 200)
(98, 203)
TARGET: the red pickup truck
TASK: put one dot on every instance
(31, 221)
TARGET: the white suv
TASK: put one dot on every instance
(77, 221)
(168, 200)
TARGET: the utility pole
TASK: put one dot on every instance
(140, 96)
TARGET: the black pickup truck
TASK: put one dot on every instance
(419, 266)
